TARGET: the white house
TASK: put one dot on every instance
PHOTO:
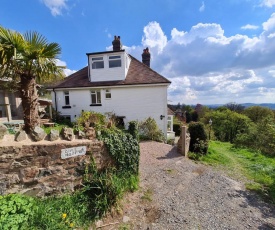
(114, 82)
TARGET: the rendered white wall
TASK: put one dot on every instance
(109, 74)
(135, 103)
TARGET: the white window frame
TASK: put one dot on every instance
(170, 123)
(108, 94)
(66, 95)
(96, 61)
(115, 61)
(97, 94)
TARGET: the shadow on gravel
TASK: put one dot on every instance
(173, 153)
(267, 210)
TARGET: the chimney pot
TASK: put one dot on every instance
(146, 56)
(117, 44)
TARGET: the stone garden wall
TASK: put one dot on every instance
(37, 168)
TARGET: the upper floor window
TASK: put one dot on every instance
(114, 61)
(67, 98)
(97, 63)
(96, 97)
(108, 94)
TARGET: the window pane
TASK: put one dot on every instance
(67, 100)
(93, 98)
(98, 65)
(114, 63)
(98, 97)
(114, 57)
(108, 94)
(97, 59)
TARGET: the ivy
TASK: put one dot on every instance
(123, 148)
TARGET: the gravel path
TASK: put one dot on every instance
(177, 193)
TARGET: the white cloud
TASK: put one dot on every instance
(249, 27)
(269, 25)
(202, 8)
(206, 66)
(154, 37)
(66, 71)
(268, 3)
(56, 6)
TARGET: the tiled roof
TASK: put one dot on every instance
(138, 73)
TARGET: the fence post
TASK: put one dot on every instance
(183, 137)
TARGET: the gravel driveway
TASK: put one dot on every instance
(177, 193)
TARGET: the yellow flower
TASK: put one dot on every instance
(64, 215)
(71, 225)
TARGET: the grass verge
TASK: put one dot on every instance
(256, 169)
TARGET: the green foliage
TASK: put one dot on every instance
(245, 165)
(258, 113)
(91, 119)
(149, 130)
(260, 137)
(123, 148)
(198, 142)
(133, 129)
(101, 189)
(227, 124)
(15, 211)
(177, 129)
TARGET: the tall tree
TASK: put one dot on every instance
(25, 60)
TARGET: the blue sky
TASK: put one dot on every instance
(213, 51)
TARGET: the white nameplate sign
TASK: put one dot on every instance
(73, 152)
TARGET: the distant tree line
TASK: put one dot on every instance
(252, 127)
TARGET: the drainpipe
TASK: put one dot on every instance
(55, 101)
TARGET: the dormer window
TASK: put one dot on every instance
(97, 63)
(114, 61)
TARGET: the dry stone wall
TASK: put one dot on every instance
(37, 168)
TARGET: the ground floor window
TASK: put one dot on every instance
(108, 94)
(95, 97)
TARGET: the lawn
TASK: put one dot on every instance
(254, 168)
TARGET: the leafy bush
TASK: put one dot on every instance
(228, 124)
(90, 119)
(259, 137)
(198, 142)
(177, 129)
(15, 211)
(123, 148)
(149, 130)
(133, 129)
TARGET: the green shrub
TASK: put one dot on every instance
(123, 148)
(148, 130)
(198, 142)
(177, 129)
(15, 211)
(133, 129)
(90, 119)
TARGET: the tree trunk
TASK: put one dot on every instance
(29, 102)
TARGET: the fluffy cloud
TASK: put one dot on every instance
(205, 66)
(56, 6)
(154, 37)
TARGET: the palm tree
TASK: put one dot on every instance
(25, 60)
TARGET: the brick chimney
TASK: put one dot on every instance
(146, 56)
(117, 45)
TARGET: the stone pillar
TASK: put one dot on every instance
(183, 139)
